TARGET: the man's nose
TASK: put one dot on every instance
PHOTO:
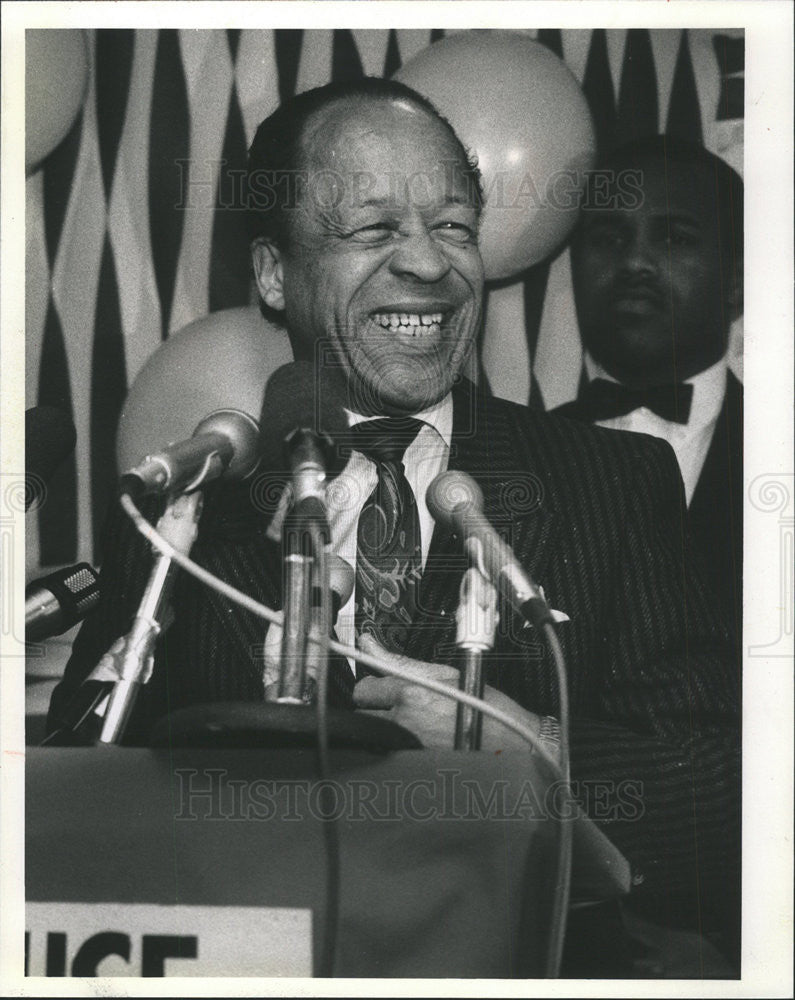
(419, 256)
(639, 256)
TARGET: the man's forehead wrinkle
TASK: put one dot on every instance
(329, 219)
(392, 198)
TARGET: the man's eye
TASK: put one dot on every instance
(455, 232)
(682, 238)
(605, 238)
(376, 232)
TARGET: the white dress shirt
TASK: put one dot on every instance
(690, 441)
(425, 458)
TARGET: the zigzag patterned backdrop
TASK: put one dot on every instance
(113, 267)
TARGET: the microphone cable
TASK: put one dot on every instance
(562, 891)
(455, 500)
(329, 818)
(375, 662)
(560, 768)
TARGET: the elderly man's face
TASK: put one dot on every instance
(652, 283)
(382, 264)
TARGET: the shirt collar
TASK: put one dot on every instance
(439, 417)
(709, 388)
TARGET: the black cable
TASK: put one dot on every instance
(329, 820)
(560, 900)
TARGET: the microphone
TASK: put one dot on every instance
(302, 416)
(56, 602)
(50, 439)
(455, 501)
(302, 412)
(341, 583)
(342, 580)
(223, 444)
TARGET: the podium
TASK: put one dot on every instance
(212, 861)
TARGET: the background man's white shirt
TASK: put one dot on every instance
(690, 441)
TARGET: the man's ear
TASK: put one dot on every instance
(268, 272)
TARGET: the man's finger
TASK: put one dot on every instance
(377, 692)
(272, 657)
(434, 671)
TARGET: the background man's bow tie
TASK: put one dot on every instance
(602, 400)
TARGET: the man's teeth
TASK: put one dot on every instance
(415, 324)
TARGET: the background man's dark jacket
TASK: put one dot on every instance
(716, 508)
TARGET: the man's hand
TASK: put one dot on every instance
(431, 716)
(272, 652)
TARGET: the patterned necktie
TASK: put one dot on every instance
(388, 554)
(602, 399)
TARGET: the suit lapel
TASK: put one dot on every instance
(499, 452)
(490, 447)
(716, 514)
(722, 473)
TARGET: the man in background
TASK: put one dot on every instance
(657, 272)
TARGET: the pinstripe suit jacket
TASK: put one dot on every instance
(716, 508)
(598, 519)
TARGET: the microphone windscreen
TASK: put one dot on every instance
(50, 439)
(451, 495)
(299, 397)
(56, 602)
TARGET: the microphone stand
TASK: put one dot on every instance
(476, 619)
(305, 540)
(320, 618)
(297, 715)
(134, 660)
(299, 570)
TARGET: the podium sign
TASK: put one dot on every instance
(447, 861)
(131, 939)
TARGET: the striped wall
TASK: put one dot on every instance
(115, 263)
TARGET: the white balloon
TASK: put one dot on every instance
(222, 361)
(519, 108)
(56, 76)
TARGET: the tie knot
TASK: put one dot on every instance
(385, 439)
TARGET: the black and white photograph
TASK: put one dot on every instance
(397, 482)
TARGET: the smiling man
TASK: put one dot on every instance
(380, 256)
(364, 210)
